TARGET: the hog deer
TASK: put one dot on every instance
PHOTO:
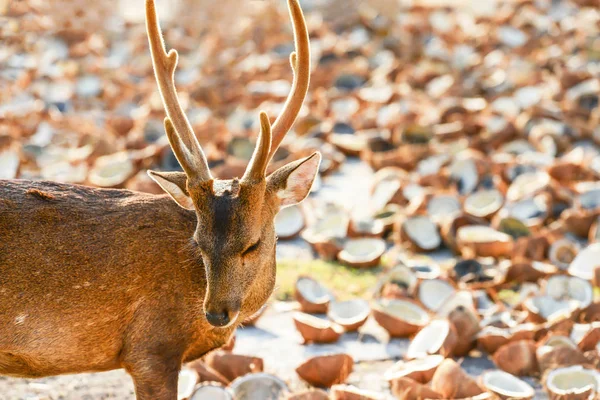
(99, 279)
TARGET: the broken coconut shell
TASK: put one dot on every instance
(483, 241)
(350, 314)
(438, 337)
(317, 330)
(401, 318)
(211, 390)
(363, 252)
(517, 358)
(313, 296)
(408, 389)
(573, 383)
(420, 370)
(188, 378)
(348, 392)
(506, 386)
(289, 222)
(326, 370)
(451, 381)
(232, 366)
(420, 233)
(258, 386)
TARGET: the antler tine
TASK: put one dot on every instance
(260, 158)
(184, 142)
(300, 61)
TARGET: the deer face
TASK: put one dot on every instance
(235, 236)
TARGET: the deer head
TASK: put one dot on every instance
(235, 235)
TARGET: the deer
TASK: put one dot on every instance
(98, 279)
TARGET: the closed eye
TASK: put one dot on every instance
(251, 248)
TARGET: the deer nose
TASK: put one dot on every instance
(222, 317)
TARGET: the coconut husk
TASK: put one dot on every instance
(517, 358)
(327, 370)
(451, 381)
(231, 365)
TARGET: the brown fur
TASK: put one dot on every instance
(101, 279)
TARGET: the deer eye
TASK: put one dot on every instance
(251, 248)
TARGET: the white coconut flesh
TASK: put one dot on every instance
(442, 207)
(492, 331)
(558, 341)
(362, 250)
(412, 191)
(403, 310)
(383, 193)
(430, 339)
(212, 392)
(111, 170)
(313, 291)
(315, 322)
(258, 386)
(548, 307)
(507, 385)
(572, 380)
(349, 312)
(461, 299)
(570, 288)
(333, 225)
(289, 221)
(586, 260)
(529, 210)
(580, 330)
(527, 185)
(433, 293)
(563, 252)
(483, 203)
(481, 234)
(400, 275)
(348, 142)
(423, 232)
(186, 383)
(401, 368)
(464, 172)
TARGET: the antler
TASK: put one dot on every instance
(179, 131)
(300, 61)
(260, 158)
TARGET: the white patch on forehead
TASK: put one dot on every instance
(230, 186)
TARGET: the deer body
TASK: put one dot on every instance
(71, 304)
(99, 279)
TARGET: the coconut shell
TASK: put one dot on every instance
(451, 381)
(421, 373)
(517, 358)
(449, 228)
(590, 339)
(312, 394)
(327, 370)
(561, 356)
(491, 342)
(446, 348)
(308, 306)
(315, 334)
(466, 325)
(408, 389)
(231, 365)
(396, 327)
(347, 392)
(207, 374)
(585, 395)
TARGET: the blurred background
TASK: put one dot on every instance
(428, 108)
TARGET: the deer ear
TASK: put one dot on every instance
(175, 184)
(292, 182)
